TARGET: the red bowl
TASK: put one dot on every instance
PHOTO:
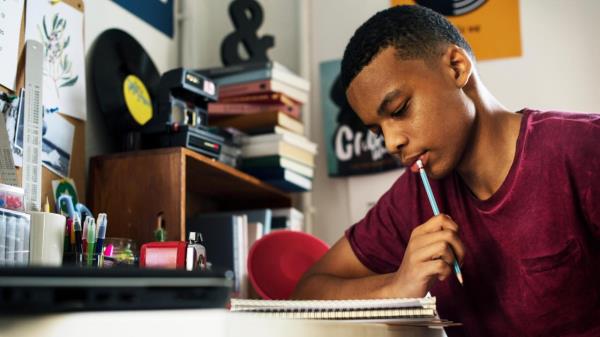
(278, 260)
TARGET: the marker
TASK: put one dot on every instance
(102, 223)
(436, 211)
(67, 243)
(78, 240)
(91, 241)
(84, 234)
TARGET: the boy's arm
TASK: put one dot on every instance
(340, 274)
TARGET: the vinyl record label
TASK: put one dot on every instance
(137, 99)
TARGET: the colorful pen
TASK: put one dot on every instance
(67, 243)
(84, 234)
(91, 240)
(101, 223)
(78, 240)
(436, 211)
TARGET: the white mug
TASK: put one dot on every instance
(46, 242)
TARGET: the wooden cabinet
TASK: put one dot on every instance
(133, 187)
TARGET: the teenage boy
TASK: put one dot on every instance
(519, 191)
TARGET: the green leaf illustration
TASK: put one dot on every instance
(70, 82)
(45, 29)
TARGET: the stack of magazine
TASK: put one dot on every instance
(409, 311)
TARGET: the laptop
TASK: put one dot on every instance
(62, 289)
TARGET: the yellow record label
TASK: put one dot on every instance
(137, 99)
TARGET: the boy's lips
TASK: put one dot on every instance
(413, 162)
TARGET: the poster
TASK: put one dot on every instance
(157, 13)
(352, 148)
(11, 13)
(59, 28)
(492, 27)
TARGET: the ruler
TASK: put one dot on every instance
(32, 130)
(8, 173)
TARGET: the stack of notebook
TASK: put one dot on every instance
(409, 311)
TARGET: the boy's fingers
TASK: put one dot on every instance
(435, 224)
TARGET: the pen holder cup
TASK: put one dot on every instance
(83, 259)
(46, 238)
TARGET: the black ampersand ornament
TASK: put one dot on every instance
(247, 17)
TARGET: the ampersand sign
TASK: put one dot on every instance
(246, 16)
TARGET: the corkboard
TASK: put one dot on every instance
(77, 169)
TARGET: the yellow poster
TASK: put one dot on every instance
(491, 27)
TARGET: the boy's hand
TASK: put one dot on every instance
(428, 257)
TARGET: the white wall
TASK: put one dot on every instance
(99, 16)
(207, 23)
(558, 70)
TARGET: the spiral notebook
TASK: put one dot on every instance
(389, 310)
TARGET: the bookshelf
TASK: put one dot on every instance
(133, 187)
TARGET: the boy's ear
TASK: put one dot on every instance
(459, 64)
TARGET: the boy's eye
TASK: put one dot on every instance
(400, 111)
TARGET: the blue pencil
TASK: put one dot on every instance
(436, 211)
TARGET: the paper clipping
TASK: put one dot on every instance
(59, 27)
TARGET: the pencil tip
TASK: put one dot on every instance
(460, 279)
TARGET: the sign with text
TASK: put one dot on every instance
(351, 148)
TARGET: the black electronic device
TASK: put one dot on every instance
(42, 289)
(197, 139)
(182, 116)
(183, 97)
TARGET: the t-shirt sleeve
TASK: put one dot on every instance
(585, 163)
(377, 239)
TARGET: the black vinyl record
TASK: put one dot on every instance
(125, 81)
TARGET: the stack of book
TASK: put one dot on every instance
(265, 100)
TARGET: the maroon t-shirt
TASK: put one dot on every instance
(532, 262)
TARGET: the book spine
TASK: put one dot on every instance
(261, 87)
(273, 98)
(249, 76)
(234, 69)
(237, 270)
(256, 87)
(227, 109)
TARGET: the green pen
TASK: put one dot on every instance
(91, 241)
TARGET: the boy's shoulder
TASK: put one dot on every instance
(562, 122)
(552, 128)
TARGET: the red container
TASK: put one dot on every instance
(164, 255)
(278, 260)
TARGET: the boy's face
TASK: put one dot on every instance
(419, 107)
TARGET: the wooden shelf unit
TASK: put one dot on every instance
(133, 187)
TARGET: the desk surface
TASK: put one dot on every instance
(170, 323)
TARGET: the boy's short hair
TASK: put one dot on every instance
(416, 32)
